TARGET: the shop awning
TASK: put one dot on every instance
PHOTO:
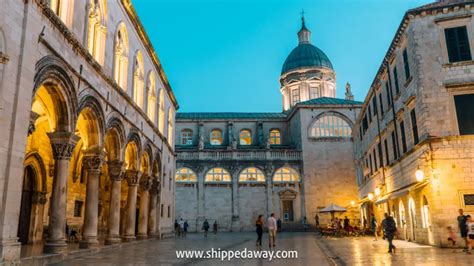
(393, 195)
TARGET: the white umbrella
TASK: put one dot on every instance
(332, 208)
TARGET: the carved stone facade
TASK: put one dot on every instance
(70, 131)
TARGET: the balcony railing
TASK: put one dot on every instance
(284, 155)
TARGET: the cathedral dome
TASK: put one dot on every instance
(305, 55)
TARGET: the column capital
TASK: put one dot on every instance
(92, 161)
(116, 170)
(62, 144)
(132, 177)
(145, 182)
(269, 168)
(155, 187)
(39, 197)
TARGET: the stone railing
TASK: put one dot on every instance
(260, 155)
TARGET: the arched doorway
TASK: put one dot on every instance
(403, 221)
(425, 214)
(412, 211)
(29, 178)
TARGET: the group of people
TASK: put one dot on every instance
(181, 227)
(272, 226)
(205, 227)
(466, 229)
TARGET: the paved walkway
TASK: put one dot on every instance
(163, 252)
(366, 251)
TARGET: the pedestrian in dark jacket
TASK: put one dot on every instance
(389, 228)
(259, 225)
(205, 227)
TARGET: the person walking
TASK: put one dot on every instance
(389, 228)
(205, 227)
(181, 227)
(346, 223)
(185, 228)
(470, 233)
(373, 227)
(176, 227)
(316, 219)
(214, 227)
(259, 225)
(279, 224)
(462, 224)
(272, 229)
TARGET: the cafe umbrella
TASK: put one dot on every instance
(333, 208)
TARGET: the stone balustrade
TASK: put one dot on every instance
(284, 155)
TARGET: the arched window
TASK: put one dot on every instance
(251, 174)
(216, 137)
(286, 174)
(138, 79)
(186, 137)
(161, 110)
(151, 89)
(64, 9)
(97, 30)
(185, 175)
(121, 57)
(217, 175)
(245, 137)
(330, 126)
(170, 126)
(275, 137)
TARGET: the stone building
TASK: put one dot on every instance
(414, 142)
(231, 167)
(87, 118)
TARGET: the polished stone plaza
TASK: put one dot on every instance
(312, 250)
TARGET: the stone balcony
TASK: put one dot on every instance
(239, 155)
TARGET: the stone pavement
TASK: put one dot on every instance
(366, 251)
(162, 252)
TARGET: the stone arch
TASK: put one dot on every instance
(89, 101)
(97, 29)
(133, 150)
(247, 171)
(286, 172)
(34, 160)
(121, 51)
(329, 113)
(116, 130)
(52, 73)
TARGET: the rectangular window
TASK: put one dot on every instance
(369, 113)
(406, 66)
(389, 97)
(371, 164)
(313, 92)
(374, 104)
(161, 210)
(186, 137)
(375, 161)
(414, 127)
(169, 211)
(395, 80)
(468, 199)
(379, 147)
(365, 124)
(394, 146)
(457, 43)
(465, 113)
(78, 208)
(295, 96)
(381, 104)
(404, 140)
(387, 155)
(360, 132)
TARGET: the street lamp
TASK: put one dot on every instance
(419, 175)
(377, 191)
(370, 196)
(352, 202)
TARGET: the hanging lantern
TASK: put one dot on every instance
(419, 175)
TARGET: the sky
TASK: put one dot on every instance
(226, 55)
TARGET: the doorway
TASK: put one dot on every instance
(403, 221)
(29, 176)
(287, 210)
(411, 210)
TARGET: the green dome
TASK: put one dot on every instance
(306, 55)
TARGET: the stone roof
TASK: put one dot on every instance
(277, 116)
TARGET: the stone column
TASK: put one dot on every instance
(116, 169)
(152, 221)
(62, 144)
(145, 184)
(269, 175)
(235, 227)
(132, 180)
(92, 163)
(200, 195)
